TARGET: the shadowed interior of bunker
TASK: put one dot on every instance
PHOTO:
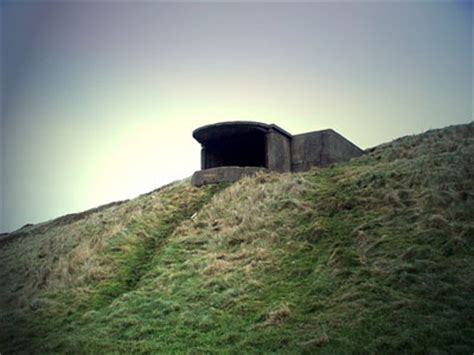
(233, 145)
(244, 149)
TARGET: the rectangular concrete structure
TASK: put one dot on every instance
(320, 148)
(244, 144)
(278, 155)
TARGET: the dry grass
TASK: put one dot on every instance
(73, 255)
(278, 316)
(241, 237)
(372, 256)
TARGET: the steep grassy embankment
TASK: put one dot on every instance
(375, 255)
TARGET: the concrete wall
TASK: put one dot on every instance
(210, 160)
(341, 149)
(231, 150)
(203, 157)
(278, 151)
(321, 148)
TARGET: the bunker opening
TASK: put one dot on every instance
(242, 150)
(241, 145)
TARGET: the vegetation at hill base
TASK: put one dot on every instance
(371, 256)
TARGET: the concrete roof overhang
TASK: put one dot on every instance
(225, 130)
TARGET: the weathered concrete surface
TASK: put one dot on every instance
(213, 132)
(321, 148)
(244, 143)
(239, 148)
(278, 151)
(223, 174)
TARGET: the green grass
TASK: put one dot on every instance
(370, 256)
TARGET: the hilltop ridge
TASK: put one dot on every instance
(372, 255)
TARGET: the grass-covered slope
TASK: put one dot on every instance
(375, 255)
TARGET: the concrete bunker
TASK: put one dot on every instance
(232, 145)
(231, 150)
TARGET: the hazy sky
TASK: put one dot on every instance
(99, 100)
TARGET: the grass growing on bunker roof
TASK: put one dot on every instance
(374, 255)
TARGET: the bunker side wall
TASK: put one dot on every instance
(340, 149)
(307, 150)
(321, 148)
(278, 155)
(209, 159)
(203, 157)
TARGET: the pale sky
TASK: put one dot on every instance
(99, 100)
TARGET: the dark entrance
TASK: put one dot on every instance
(246, 149)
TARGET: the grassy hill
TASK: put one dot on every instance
(374, 255)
